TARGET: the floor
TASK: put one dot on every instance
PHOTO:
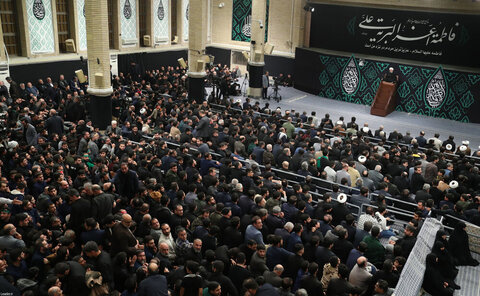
(468, 278)
(403, 122)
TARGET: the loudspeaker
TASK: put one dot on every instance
(182, 63)
(246, 55)
(200, 65)
(268, 48)
(98, 79)
(81, 77)
(70, 45)
(146, 40)
(258, 56)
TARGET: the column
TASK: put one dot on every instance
(3, 56)
(149, 20)
(116, 24)
(99, 87)
(257, 43)
(197, 37)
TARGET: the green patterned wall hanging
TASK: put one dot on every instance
(421, 90)
(242, 20)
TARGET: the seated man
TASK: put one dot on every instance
(361, 275)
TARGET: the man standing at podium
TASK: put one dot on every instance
(390, 77)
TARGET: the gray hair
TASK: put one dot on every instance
(288, 226)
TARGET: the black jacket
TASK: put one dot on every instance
(80, 210)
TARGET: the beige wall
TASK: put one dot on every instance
(286, 20)
(3, 56)
(285, 24)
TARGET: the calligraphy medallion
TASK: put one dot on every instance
(436, 89)
(350, 77)
(38, 9)
(127, 10)
(160, 11)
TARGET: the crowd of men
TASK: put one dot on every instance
(177, 198)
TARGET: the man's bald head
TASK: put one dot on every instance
(163, 248)
(7, 229)
(54, 291)
(152, 268)
(126, 220)
(362, 261)
(278, 269)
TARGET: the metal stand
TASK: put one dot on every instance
(243, 87)
(275, 95)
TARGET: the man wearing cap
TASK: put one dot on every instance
(360, 164)
(450, 141)
(390, 76)
(340, 210)
(464, 148)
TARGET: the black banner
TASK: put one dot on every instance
(442, 38)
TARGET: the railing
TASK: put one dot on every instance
(326, 186)
(387, 143)
(411, 278)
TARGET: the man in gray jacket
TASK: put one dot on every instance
(29, 132)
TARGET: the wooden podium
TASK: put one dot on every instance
(385, 100)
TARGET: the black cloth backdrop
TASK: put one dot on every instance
(32, 72)
(443, 38)
(149, 61)
(451, 95)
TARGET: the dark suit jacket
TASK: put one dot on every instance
(80, 210)
(122, 239)
(154, 285)
(55, 125)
